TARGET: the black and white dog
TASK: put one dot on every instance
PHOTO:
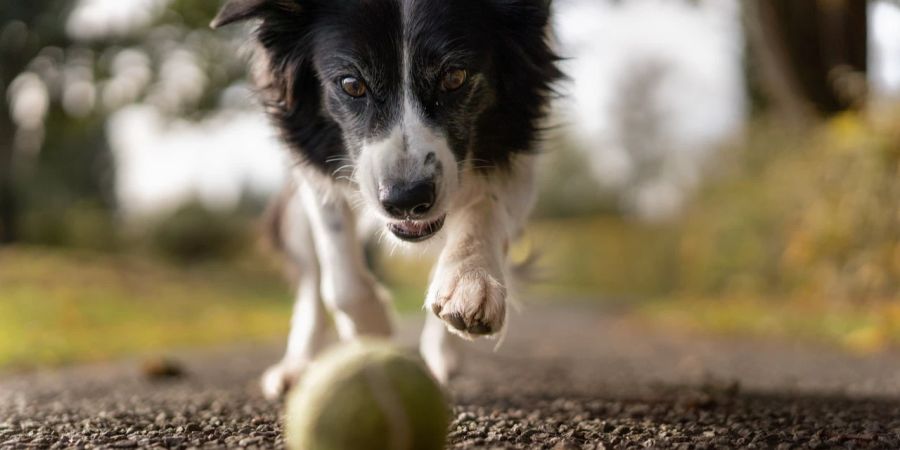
(419, 117)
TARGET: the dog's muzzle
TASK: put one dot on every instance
(408, 203)
(416, 230)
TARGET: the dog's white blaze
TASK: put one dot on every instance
(402, 156)
(373, 165)
(422, 140)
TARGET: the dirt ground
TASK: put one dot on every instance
(565, 378)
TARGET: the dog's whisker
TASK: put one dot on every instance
(344, 167)
(358, 205)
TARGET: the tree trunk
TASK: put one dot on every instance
(811, 55)
(8, 205)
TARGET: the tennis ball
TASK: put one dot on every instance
(366, 395)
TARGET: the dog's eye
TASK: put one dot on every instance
(353, 86)
(454, 79)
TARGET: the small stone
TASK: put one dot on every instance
(248, 441)
(173, 441)
(161, 368)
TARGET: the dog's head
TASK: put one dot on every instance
(405, 98)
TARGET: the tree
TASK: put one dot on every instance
(27, 27)
(70, 160)
(809, 56)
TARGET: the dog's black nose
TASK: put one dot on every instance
(407, 200)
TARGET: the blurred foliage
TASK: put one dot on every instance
(797, 235)
(812, 216)
(611, 256)
(68, 186)
(860, 330)
(81, 225)
(606, 257)
(172, 61)
(568, 187)
(195, 233)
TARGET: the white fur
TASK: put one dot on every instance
(321, 237)
(471, 277)
(472, 271)
(308, 323)
(439, 349)
(347, 288)
(401, 157)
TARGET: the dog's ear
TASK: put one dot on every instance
(236, 11)
(240, 10)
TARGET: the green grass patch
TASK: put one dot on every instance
(58, 307)
(63, 306)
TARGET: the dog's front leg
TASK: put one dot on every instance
(470, 284)
(356, 301)
(468, 289)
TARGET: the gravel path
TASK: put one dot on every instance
(563, 379)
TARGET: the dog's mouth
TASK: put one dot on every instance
(416, 230)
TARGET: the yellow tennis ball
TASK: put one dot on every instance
(366, 395)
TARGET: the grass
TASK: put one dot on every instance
(58, 307)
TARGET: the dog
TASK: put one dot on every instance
(415, 119)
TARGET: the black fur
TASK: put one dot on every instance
(311, 44)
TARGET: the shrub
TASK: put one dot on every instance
(194, 233)
(813, 216)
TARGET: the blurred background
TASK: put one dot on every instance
(720, 166)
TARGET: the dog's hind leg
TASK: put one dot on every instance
(439, 349)
(349, 290)
(309, 320)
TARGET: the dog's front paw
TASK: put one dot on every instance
(469, 299)
(278, 379)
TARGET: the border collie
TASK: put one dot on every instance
(415, 118)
